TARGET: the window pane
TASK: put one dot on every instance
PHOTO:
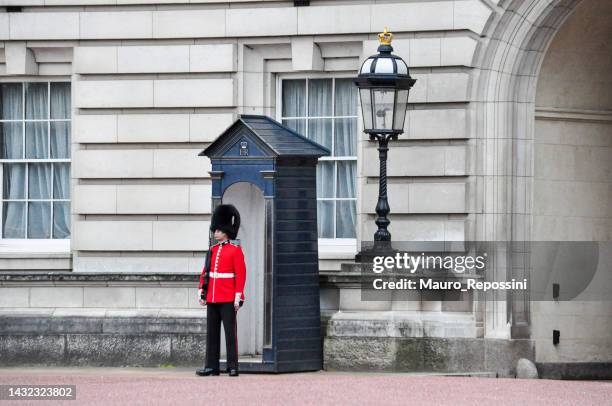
(11, 97)
(298, 125)
(39, 219)
(345, 137)
(325, 179)
(320, 130)
(37, 141)
(319, 97)
(13, 220)
(61, 180)
(325, 215)
(61, 220)
(60, 100)
(345, 219)
(346, 98)
(60, 139)
(347, 171)
(13, 184)
(294, 98)
(39, 181)
(37, 100)
(11, 141)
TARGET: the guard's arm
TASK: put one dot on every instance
(240, 270)
(204, 269)
(202, 278)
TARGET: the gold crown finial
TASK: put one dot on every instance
(385, 37)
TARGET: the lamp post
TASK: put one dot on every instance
(384, 83)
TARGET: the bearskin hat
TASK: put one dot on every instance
(227, 219)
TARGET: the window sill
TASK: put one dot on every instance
(338, 248)
(19, 248)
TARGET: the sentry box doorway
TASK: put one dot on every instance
(268, 172)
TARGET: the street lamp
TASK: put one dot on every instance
(384, 83)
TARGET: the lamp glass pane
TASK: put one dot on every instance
(402, 68)
(366, 108)
(383, 108)
(400, 110)
(384, 65)
(367, 65)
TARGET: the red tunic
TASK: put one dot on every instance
(226, 259)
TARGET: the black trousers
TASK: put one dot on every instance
(215, 314)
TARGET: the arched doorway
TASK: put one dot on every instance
(528, 82)
(572, 179)
(249, 200)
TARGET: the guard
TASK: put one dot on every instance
(221, 290)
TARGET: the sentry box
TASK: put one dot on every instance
(268, 172)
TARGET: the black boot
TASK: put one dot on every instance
(207, 372)
(233, 372)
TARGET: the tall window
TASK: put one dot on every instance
(325, 110)
(35, 159)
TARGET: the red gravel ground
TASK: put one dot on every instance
(143, 386)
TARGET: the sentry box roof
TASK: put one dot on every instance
(276, 140)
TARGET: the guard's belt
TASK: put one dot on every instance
(222, 275)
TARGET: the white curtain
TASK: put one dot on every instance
(320, 105)
(345, 144)
(11, 101)
(345, 209)
(36, 101)
(39, 213)
(60, 139)
(12, 140)
(61, 210)
(294, 105)
(11, 132)
(345, 128)
(294, 98)
(60, 100)
(346, 98)
(45, 181)
(335, 179)
(13, 182)
(37, 147)
(36, 131)
(60, 148)
(320, 98)
(13, 219)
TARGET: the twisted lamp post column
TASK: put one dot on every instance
(384, 84)
(382, 206)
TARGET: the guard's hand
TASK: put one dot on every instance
(237, 301)
(200, 300)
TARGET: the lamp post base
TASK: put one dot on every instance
(377, 249)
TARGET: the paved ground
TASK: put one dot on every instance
(166, 386)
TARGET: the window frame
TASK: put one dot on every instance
(38, 245)
(329, 247)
